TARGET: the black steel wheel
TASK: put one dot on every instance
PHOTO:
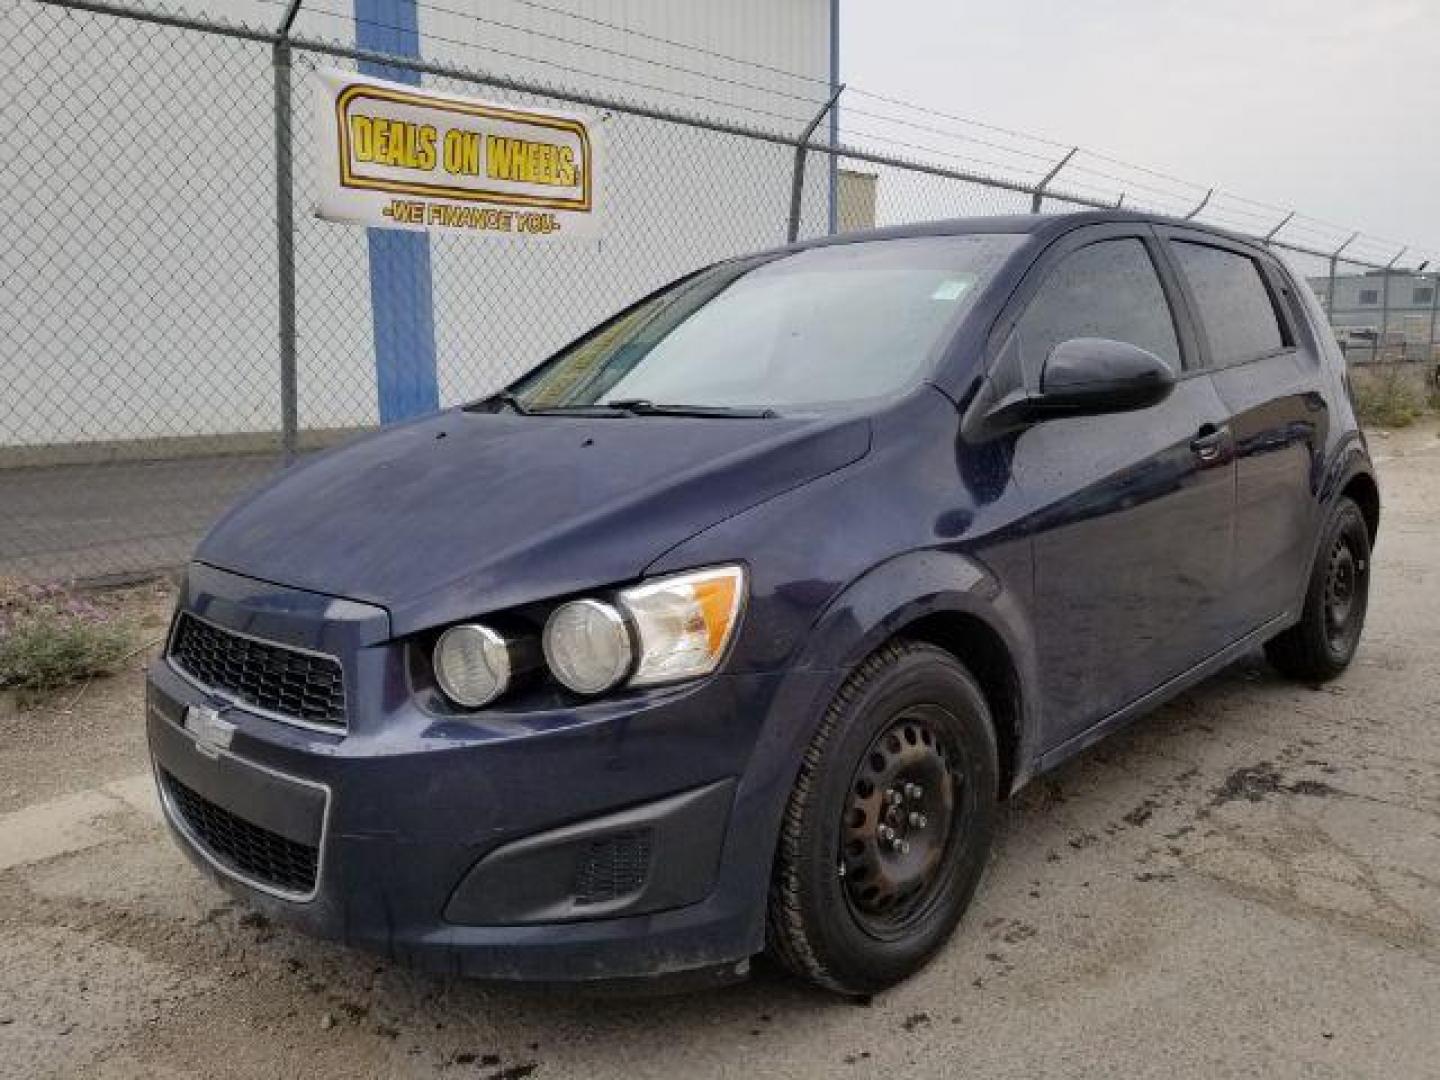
(889, 824)
(1321, 645)
(1344, 582)
(907, 804)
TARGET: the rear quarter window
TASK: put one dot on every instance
(1235, 304)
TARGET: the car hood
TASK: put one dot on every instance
(464, 513)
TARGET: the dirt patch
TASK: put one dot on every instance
(84, 736)
(1141, 814)
(1254, 783)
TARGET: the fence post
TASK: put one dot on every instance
(1037, 197)
(797, 180)
(1385, 306)
(285, 234)
(1434, 307)
(1276, 230)
(833, 218)
(1330, 288)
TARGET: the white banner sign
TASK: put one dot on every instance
(397, 156)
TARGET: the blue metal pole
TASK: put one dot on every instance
(401, 295)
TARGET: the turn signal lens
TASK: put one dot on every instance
(684, 622)
(472, 665)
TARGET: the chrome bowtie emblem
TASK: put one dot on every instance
(212, 732)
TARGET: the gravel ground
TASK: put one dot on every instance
(1246, 883)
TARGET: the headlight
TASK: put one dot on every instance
(472, 665)
(684, 622)
(587, 646)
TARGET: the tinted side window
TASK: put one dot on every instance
(1107, 290)
(1235, 305)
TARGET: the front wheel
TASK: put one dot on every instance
(889, 824)
(1321, 645)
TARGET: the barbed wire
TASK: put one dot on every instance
(875, 137)
(1129, 185)
(812, 101)
(1310, 229)
(644, 35)
(525, 58)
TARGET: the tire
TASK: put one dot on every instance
(1321, 645)
(913, 709)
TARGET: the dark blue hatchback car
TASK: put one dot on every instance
(727, 627)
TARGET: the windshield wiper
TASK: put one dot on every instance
(642, 407)
(505, 397)
(623, 407)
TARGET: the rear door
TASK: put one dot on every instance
(1265, 367)
(1131, 513)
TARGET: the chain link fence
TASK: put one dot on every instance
(160, 360)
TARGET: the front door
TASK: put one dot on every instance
(1131, 514)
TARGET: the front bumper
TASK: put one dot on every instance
(617, 839)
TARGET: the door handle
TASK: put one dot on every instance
(1209, 442)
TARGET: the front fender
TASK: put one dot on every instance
(887, 597)
(877, 606)
(871, 610)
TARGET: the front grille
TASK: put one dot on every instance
(290, 684)
(612, 867)
(246, 849)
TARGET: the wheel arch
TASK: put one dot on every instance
(1361, 487)
(955, 604)
(946, 599)
(979, 647)
(1348, 471)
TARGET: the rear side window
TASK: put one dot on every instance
(1235, 305)
(1106, 290)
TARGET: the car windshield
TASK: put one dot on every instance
(810, 330)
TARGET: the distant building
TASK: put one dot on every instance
(855, 201)
(1359, 305)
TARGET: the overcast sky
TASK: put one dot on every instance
(1331, 106)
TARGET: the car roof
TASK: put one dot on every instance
(1044, 227)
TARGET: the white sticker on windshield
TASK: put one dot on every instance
(951, 289)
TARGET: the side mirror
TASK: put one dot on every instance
(1089, 376)
(1081, 377)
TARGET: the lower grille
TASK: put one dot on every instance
(613, 867)
(245, 849)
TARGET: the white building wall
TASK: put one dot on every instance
(139, 274)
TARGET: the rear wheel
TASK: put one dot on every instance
(1321, 645)
(889, 825)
